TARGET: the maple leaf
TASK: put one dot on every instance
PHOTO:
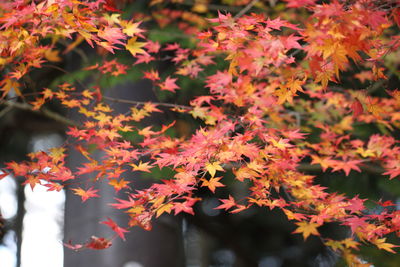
(169, 84)
(213, 167)
(110, 6)
(54, 187)
(356, 223)
(284, 95)
(132, 28)
(32, 180)
(393, 172)
(381, 244)
(294, 216)
(239, 208)
(85, 194)
(164, 208)
(124, 204)
(350, 243)
(150, 107)
(119, 230)
(75, 247)
(277, 23)
(183, 206)
(135, 47)
(9, 84)
(146, 131)
(335, 245)
(324, 77)
(118, 184)
(152, 75)
(153, 47)
(212, 184)
(227, 203)
(112, 35)
(144, 167)
(57, 154)
(144, 58)
(98, 243)
(38, 103)
(245, 173)
(307, 229)
(324, 162)
(356, 205)
(346, 166)
(282, 144)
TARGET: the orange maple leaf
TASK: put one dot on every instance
(118, 184)
(85, 194)
(212, 184)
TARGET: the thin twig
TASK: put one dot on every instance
(245, 9)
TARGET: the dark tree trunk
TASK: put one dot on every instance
(19, 219)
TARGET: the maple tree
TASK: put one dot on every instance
(281, 93)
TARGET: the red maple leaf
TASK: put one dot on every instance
(227, 203)
(169, 84)
(3, 174)
(98, 243)
(119, 230)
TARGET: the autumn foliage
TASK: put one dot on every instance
(284, 92)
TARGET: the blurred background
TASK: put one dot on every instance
(34, 224)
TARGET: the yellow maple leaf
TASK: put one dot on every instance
(164, 208)
(365, 153)
(381, 244)
(136, 210)
(334, 244)
(144, 167)
(350, 243)
(307, 229)
(131, 28)
(135, 47)
(213, 167)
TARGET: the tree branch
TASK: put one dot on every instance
(141, 103)
(43, 111)
(373, 169)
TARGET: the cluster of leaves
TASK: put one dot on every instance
(276, 106)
